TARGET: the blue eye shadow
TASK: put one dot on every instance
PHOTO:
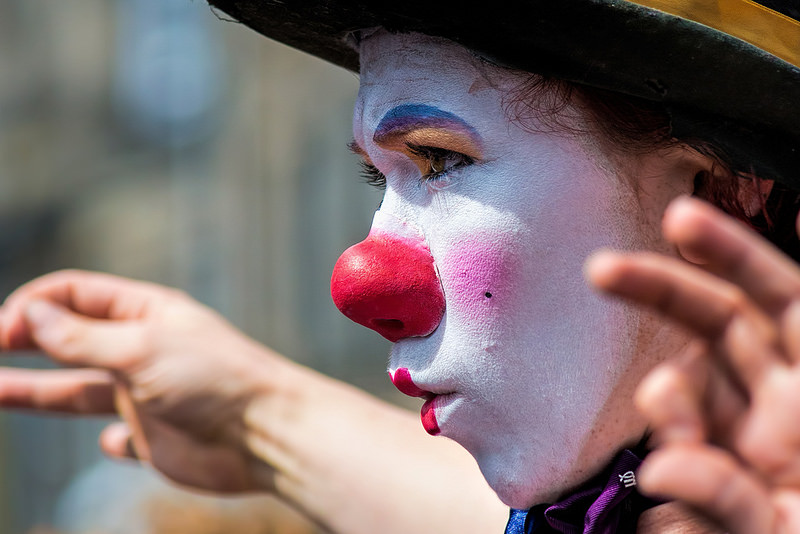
(409, 117)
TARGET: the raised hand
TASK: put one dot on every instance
(726, 414)
(214, 410)
(180, 376)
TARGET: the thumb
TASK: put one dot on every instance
(116, 441)
(76, 340)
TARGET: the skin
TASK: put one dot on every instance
(720, 413)
(535, 381)
(212, 410)
(725, 410)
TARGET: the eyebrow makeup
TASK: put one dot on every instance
(423, 125)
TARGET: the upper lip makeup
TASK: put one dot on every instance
(401, 379)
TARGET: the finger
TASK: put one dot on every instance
(77, 391)
(670, 398)
(691, 399)
(790, 331)
(138, 442)
(115, 441)
(711, 481)
(74, 340)
(725, 406)
(712, 308)
(787, 509)
(96, 295)
(734, 252)
(769, 439)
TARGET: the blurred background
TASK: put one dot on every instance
(149, 138)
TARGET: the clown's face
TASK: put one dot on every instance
(520, 362)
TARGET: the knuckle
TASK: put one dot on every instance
(67, 273)
(737, 302)
(144, 344)
(66, 340)
(62, 277)
(177, 295)
(758, 454)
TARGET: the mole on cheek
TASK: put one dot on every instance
(476, 276)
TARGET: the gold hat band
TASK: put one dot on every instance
(760, 26)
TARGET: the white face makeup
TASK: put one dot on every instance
(532, 371)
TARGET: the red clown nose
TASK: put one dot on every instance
(388, 283)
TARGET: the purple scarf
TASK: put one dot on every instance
(607, 504)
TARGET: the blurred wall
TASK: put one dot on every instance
(150, 139)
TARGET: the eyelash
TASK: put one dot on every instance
(429, 153)
(372, 176)
(376, 178)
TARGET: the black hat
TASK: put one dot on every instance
(728, 70)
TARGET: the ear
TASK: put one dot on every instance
(744, 197)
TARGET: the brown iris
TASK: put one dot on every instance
(437, 164)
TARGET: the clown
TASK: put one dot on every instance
(507, 162)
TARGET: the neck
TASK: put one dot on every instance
(674, 518)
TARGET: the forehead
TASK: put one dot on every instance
(405, 68)
(383, 53)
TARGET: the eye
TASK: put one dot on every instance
(435, 163)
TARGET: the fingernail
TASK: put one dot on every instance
(117, 434)
(677, 205)
(41, 312)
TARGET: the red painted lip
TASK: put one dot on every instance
(402, 381)
(428, 416)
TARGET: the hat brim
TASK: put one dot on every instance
(611, 44)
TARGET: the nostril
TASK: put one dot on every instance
(387, 324)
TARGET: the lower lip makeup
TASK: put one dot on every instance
(428, 416)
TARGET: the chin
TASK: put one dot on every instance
(520, 485)
(516, 492)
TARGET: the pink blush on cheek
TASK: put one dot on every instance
(478, 276)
